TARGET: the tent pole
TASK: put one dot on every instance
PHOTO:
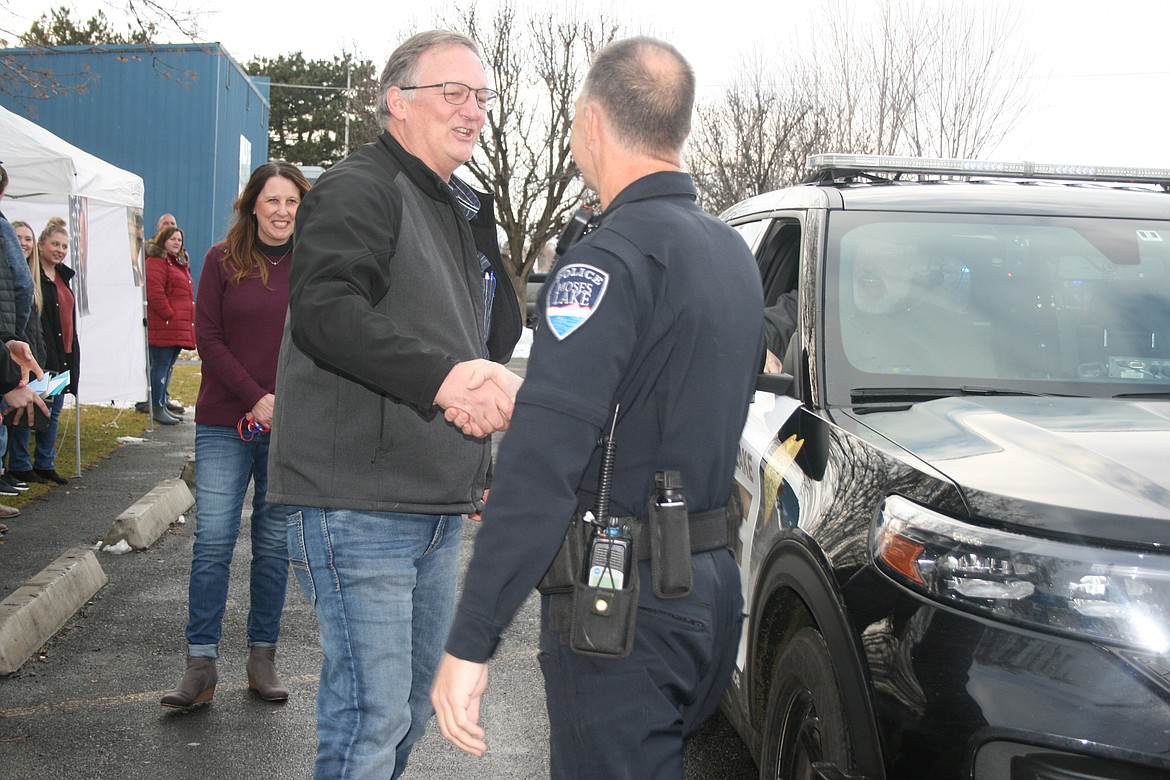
(146, 345)
(77, 431)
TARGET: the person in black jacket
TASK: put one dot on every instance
(32, 335)
(16, 294)
(399, 309)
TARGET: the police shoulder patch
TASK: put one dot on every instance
(573, 296)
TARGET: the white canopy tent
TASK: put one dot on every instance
(102, 205)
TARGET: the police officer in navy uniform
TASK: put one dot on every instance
(655, 315)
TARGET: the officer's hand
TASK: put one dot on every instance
(508, 382)
(475, 404)
(456, 694)
(25, 401)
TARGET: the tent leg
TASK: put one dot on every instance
(77, 431)
(149, 387)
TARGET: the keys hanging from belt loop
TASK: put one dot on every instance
(248, 428)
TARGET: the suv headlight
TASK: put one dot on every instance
(1111, 595)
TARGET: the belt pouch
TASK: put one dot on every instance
(670, 550)
(566, 567)
(604, 620)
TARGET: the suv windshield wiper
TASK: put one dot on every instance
(1151, 394)
(895, 398)
(979, 390)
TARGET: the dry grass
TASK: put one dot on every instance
(102, 425)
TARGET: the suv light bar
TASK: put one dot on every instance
(832, 167)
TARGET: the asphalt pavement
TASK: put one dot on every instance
(87, 704)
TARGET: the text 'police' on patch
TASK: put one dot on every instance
(574, 294)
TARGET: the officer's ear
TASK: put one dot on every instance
(594, 120)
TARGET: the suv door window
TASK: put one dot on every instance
(779, 259)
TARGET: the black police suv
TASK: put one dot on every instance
(956, 521)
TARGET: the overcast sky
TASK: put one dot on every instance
(1101, 72)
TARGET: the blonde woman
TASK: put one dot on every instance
(62, 353)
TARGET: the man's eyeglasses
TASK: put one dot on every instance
(456, 93)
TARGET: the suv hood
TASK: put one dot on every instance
(1088, 467)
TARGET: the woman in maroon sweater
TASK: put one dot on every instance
(170, 314)
(239, 321)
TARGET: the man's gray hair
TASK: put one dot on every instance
(648, 101)
(402, 68)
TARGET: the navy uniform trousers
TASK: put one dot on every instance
(629, 718)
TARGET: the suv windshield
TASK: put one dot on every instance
(1067, 306)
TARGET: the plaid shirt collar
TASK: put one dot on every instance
(465, 197)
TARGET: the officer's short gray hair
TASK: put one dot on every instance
(648, 91)
(402, 68)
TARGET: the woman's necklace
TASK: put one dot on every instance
(278, 260)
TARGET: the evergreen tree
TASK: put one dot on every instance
(310, 104)
(58, 28)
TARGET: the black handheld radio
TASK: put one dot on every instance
(578, 226)
(609, 549)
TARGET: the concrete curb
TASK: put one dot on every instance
(148, 519)
(39, 608)
(188, 473)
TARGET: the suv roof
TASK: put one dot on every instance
(915, 184)
(838, 167)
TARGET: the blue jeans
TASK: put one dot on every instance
(383, 587)
(162, 363)
(224, 464)
(46, 451)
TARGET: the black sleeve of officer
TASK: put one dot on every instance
(562, 407)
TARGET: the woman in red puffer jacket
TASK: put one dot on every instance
(170, 314)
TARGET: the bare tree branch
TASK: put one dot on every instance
(149, 21)
(537, 63)
(946, 80)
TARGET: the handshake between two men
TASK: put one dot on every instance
(478, 397)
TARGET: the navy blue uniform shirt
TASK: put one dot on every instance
(659, 310)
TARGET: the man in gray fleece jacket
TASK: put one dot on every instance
(400, 310)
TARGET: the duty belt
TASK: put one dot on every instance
(597, 619)
(708, 532)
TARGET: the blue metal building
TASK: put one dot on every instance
(186, 118)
